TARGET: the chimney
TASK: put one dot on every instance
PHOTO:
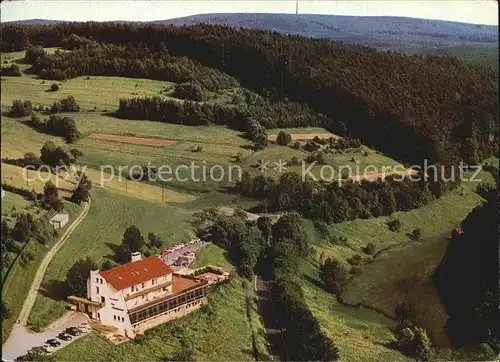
(136, 255)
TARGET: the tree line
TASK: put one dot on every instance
(127, 60)
(275, 251)
(332, 203)
(253, 119)
(408, 106)
(58, 126)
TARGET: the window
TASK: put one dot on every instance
(123, 319)
(153, 281)
(142, 285)
(114, 317)
(103, 300)
(101, 281)
(97, 288)
(98, 315)
(97, 280)
(143, 296)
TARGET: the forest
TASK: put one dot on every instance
(276, 252)
(410, 107)
(332, 203)
(467, 277)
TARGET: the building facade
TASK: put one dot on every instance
(139, 295)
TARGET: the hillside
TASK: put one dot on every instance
(131, 95)
(382, 32)
(441, 108)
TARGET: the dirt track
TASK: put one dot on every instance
(37, 281)
(304, 136)
(131, 139)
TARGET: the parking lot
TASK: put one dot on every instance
(21, 340)
(173, 253)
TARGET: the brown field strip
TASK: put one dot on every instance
(131, 139)
(304, 136)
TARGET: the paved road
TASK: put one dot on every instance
(271, 327)
(21, 338)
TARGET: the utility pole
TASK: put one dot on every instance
(296, 7)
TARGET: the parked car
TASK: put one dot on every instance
(53, 342)
(73, 331)
(64, 336)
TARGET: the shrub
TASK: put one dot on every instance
(191, 91)
(333, 275)
(27, 256)
(339, 240)
(140, 338)
(65, 105)
(33, 53)
(416, 234)
(394, 225)
(63, 127)
(36, 121)
(414, 342)
(108, 264)
(21, 108)
(283, 138)
(356, 270)
(311, 146)
(12, 71)
(197, 149)
(296, 145)
(356, 259)
(76, 153)
(54, 87)
(316, 157)
(369, 249)
(405, 312)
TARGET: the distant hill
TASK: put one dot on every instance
(382, 32)
(401, 34)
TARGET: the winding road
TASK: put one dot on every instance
(19, 331)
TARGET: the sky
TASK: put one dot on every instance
(469, 11)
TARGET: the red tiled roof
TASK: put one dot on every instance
(137, 272)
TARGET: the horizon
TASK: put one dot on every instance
(471, 12)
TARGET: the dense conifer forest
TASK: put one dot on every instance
(410, 107)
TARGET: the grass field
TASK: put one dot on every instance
(360, 334)
(109, 90)
(19, 280)
(66, 183)
(404, 269)
(211, 254)
(96, 236)
(297, 130)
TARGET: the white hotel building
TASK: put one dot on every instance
(139, 295)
